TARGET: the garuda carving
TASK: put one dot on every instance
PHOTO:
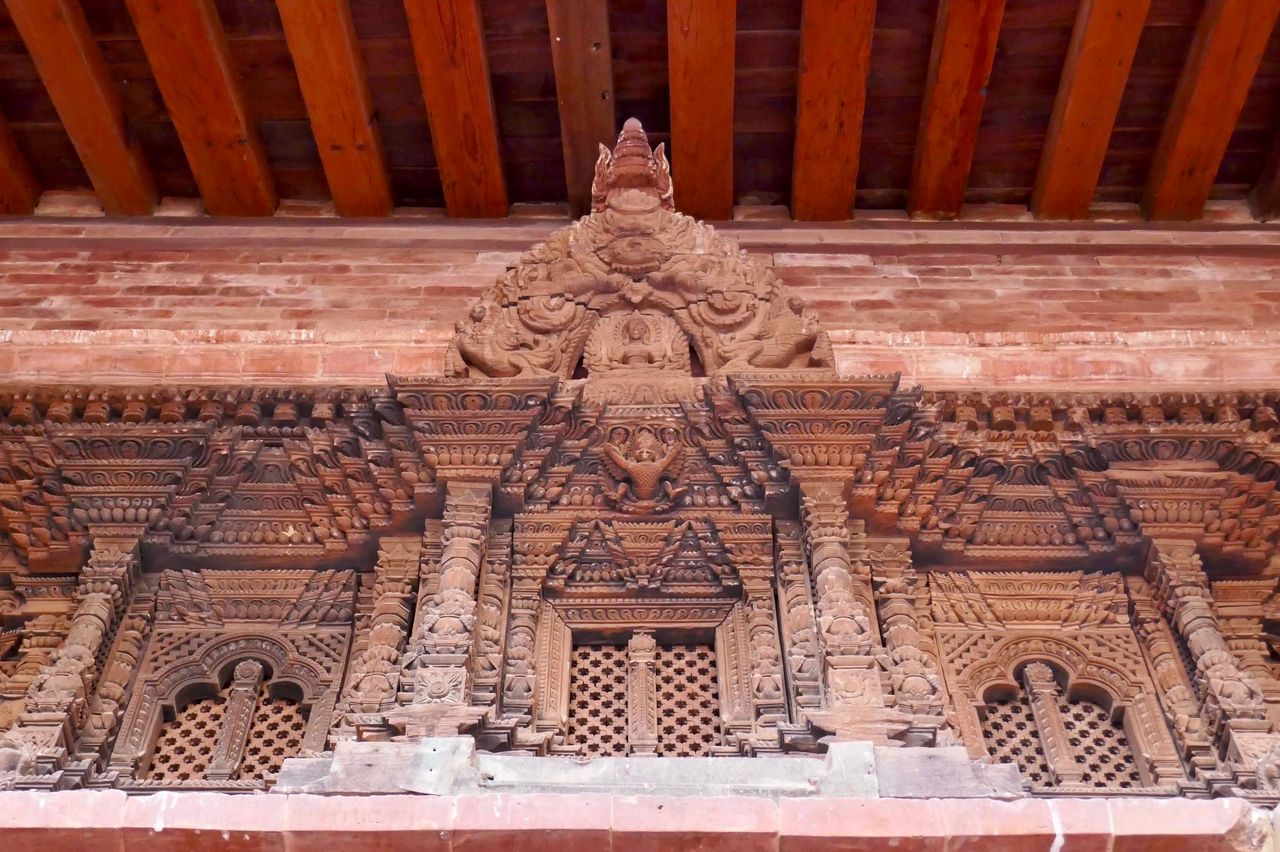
(647, 470)
(630, 263)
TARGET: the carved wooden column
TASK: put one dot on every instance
(437, 667)
(375, 664)
(237, 718)
(1227, 694)
(1044, 694)
(520, 675)
(58, 698)
(122, 663)
(642, 695)
(855, 695)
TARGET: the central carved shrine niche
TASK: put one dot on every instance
(641, 515)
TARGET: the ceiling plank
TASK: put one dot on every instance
(700, 58)
(1231, 39)
(1103, 44)
(187, 50)
(331, 72)
(448, 44)
(964, 49)
(835, 60)
(75, 75)
(19, 189)
(582, 54)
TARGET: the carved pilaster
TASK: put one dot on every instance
(242, 698)
(57, 700)
(1044, 694)
(1177, 695)
(375, 668)
(913, 671)
(799, 621)
(552, 648)
(491, 617)
(437, 666)
(1226, 692)
(520, 670)
(768, 692)
(642, 695)
(122, 663)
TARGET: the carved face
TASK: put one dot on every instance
(635, 254)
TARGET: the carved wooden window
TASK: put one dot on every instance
(679, 691)
(1010, 731)
(688, 700)
(244, 733)
(1100, 745)
(598, 700)
(276, 733)
(186, 742)
(1055, 740)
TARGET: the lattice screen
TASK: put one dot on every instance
(1010, 731)
(1100, 745)
(276, 733)
(598, 700)
(688, 701)
(186, 743)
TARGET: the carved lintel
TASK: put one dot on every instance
(242, 698)
(642, 695)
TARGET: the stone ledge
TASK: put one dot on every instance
(110, 821)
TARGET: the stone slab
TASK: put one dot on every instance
(936, 773)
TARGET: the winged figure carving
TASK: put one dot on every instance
(647, 470)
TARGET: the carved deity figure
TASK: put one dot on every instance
(647, 479)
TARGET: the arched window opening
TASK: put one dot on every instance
(243, 732)
(1056, 738)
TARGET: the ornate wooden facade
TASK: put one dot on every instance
(641, 515)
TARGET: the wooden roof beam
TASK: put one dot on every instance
(835, 60)
(582, 54)
(1264, 200)
(19, 189)
(1231, 39)
(700, 57)
(1099, 59)
(964, 49)
(448, 44)
(331, 72)
(187, 49)
(75, 75)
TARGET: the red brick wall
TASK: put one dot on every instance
(975, 304)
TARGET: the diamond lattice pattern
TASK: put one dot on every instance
(688, 701)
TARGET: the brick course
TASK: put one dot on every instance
(950, 305)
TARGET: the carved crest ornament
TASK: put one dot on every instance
(641, 514)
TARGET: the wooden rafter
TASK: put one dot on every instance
(1099, 59)
(964, 49)
(331, 71)
(581, 52)
(1229, 44)
(187, 49)
(700, 48)
(835, 59)
(73, 71)
(448, 44)
(19, 189)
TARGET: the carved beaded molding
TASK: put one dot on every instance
(640, 515)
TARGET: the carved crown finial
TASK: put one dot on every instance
(632, 164)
